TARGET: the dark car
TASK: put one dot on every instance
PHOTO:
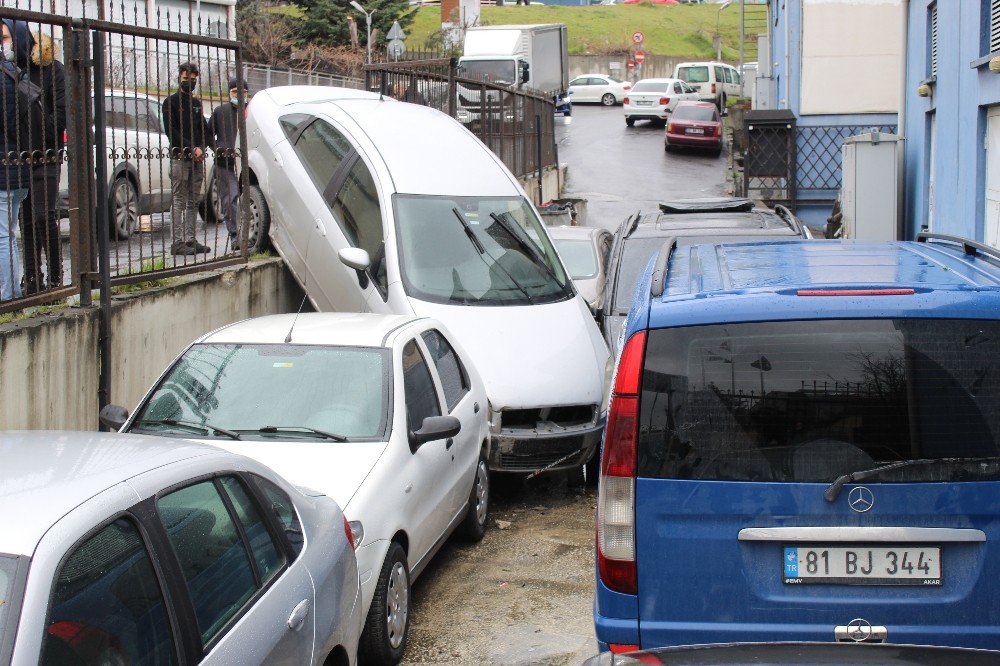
(803, 444)
(689, 221)
(694, 125)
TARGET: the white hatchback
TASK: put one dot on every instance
(655, 99)
(384, 413)
(384, 206)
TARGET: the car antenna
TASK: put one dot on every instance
(288, 338)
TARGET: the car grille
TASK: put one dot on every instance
(567, 416)
(536, 454)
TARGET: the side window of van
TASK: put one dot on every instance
(729, 75)
(719, 76)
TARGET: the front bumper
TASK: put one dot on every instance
(545, 447)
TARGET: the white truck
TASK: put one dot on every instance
(517, 56)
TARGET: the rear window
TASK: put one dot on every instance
(700, 113)
(808, 401)
(697, 74)
(651, 86)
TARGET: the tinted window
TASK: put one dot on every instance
(288, 518)
(246, 388)
(700, 113)
(728, 74)
(107, 606)
(357, 211)
(809, 401)
(454, 380)
(265, 553)
(719, 76)
(421, 397)
(130, 113)
(698, 74)
(322, 149)
(651, 86)
(292, 123)
(216, 565)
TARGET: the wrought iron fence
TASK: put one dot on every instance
(818, 148)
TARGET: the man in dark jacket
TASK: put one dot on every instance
(188, 134)
(15, 173)
(40, 223)
(223, 126)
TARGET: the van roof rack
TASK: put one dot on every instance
(659, 279)
(969, 247)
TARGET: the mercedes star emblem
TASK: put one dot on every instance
(861, 499)
(859, 630)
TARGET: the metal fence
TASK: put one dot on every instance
(818, 148)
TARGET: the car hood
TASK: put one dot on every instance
(335, 469)
(518, 371)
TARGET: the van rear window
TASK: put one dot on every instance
(807, 401)
(693, 74)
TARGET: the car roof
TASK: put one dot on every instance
(707, 217)
(52, 472)
(349, 329)
(823, 279)
(466, 167)
(658, 80)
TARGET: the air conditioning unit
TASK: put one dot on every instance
(871, 185)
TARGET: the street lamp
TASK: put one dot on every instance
(718, 37)
(368, 28)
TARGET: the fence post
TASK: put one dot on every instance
(80, 161)
(538, 141)
(103, 242)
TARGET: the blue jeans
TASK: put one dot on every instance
(10, 259)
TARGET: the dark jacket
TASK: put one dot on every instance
(223, 126)
(15, 173)
(47, 72)
(186, 125)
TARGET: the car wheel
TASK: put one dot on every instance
(259, 220)
(123, 208)
(608, 99)
(384, 635)
(210, 208)
(473, 527)
(630, 121)
(667, 148)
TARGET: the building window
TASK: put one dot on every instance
(933, 22)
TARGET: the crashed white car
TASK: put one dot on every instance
(385, 206)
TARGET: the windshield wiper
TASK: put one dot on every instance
(526, 245)
(192, 425)
(833, 490)
(273, 430)
(468, 230)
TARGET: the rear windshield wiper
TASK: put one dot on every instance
(277, 430)
(833, 490)
(203, 428)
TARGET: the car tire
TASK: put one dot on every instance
(608, 99)
(123, 208)
(473, 526)
(259, 221)
(667, 148)
(209, 207)
(630, 121)
(383, 637)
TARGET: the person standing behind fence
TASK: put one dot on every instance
(15, 173)
(223, 127)
(40, 224)
(188, 134)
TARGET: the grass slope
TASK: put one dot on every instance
(670, 30)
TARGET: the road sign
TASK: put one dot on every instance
(639, 56)
(638, 37)
(396, 32)
(395, 48)
(631, 65)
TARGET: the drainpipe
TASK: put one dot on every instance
(901, 206)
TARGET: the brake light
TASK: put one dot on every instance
(349, 533)
(65, 137)
(671, 129)
(664, 101)
(619, 648)
(616, 494)
(854, 292)
(713, 88)
(627, 86)
(626, 100)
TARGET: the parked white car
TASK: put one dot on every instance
(598, 88)
(384, 413)
(655, 99)
(125, 549)
(383, 206)
(585, 251)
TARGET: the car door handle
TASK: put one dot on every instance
(448, 443)
(475, 408)
(298, 616)
(320, 227)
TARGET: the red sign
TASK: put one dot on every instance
(639, 56)
(631, 65)
(638, 37)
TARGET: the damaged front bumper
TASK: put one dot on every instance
(545, 446)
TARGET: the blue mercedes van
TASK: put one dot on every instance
(802, 445)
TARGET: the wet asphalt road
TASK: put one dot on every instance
(524, 595)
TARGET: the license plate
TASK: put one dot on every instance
(644, 102)
(862, 565)
(694, 130)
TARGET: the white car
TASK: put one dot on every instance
(598, 88)
(585, 252)
(382, 206)
(654, 99)
(125, 549)
(384, 413)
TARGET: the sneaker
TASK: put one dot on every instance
(199, 248)
(182, 248)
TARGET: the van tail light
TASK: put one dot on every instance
(713, 88)
(664, 101)
(616, 490)
(626, 100)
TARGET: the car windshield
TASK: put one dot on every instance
(493, 71)
(806, 401)
(579, 257)
(269, 391)
(476, 251)
(692, 112)
(8, 595)
(651, 86)
(697, 74)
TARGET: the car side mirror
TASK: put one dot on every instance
(359, 260)
(113, 416)
(434, 427)
(525, 72)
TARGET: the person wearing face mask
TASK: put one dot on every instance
(189, 137)
(15, 172)
(223, 127)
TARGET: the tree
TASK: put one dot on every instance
(266, 35)
(324, 22)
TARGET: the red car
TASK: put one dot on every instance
(694, 125)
